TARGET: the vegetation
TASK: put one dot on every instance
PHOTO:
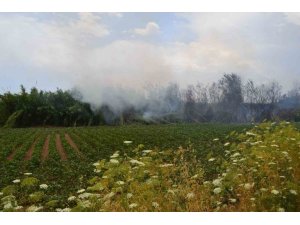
(226, 101)
(141, 168)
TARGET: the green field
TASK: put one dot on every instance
(63, 158)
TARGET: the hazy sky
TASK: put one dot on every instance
(98, 50)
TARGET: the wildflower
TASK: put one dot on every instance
(275, 192)
(16, 181)
(263, 189)
(108, 196)
(127, 142)
(115, 155)
(71, 198)
(66, 210)
(252, 199)
(195, 176)
(276, 146)
(217, 182)
(235, 154)
(136, 162)
(119, 182)
(206, 182)
(81, 191)
(97, 171)
(155, 205)
(129, 195)
(44, 186)
(250, 134)
(27, 174)
(190, 195)
(226, 144)
(224, 174)
(114, 161)
(216, 139)
(1, 193)
(133, 205)
(285, 153)
(84, 195)
(166, 165)
(248, 186)
(19, 207)
(147, 151)
(217, 190)
(171, 191)
(96, 164)
(211, 159)
(104, 177)
(271, 163)
(34, 208)
(232, 200)
(281, 210)
(293, 192)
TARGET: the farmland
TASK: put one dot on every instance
(66, 161)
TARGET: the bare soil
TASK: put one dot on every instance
(29, 153)
(72, 144)
(60, 148)
(45, 151)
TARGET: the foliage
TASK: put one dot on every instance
(251, 170)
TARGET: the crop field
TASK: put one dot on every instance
(42, 169)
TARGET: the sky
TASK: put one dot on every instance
(99, 52)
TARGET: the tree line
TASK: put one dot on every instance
(227, 101)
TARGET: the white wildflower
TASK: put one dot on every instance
(120, 182)
(206, 182)
(263, 189)
(129, 195)
(115, 155)
(133, 205)
(216, 139)
(108, 196)
(171, 191)
(166, 165)
(19, 207)
(114, 161)
(250, 134)
(235, 154)
(97, 171)
(127, 142)
(96, 164)
(81, 191)
(43, 186)
(66, 210)
(217, 190)
(71, 198)
(248, 186)
(190, 195)
(147, 151)
(285, 153)
(275, 146)
(1, 193)
(34, 208)
(217, 182)
(27, 174)
(232, 200)
(226, 144)
(84, 195)
(275, 192)
(16, 181)
(252, 199)
(281, 210)
(155, 205)
(195, 176)
(293, 192)
(211, 159)
(136, 162)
